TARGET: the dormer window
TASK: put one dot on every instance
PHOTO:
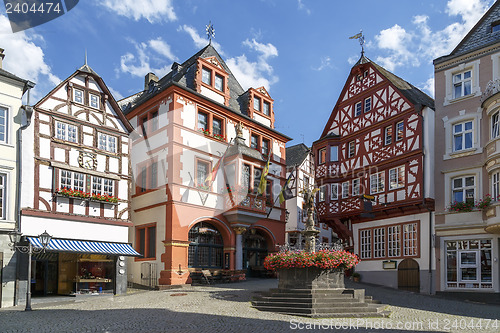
(206, 76)
(495, 26)
(94, 101)
(267, 109)
(219, 82)
(78, 96)
(256, 104)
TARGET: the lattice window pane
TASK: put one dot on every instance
(379, 243)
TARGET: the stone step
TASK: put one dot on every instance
(328, 300)
(324, 312)
(313, 291)
(308, 296)
(291, 304)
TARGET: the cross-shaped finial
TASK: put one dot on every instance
(361, 38)
(210, 32)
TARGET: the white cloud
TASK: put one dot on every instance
(152, 56)
(255, 73)
(116, 94)
(25, 59)
(303, 7)
(418, 43)
(199, 40)
(429, 86)
(151, 10)
(325, 63)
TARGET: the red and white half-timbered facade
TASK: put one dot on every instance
(76, 186)
(371, 169)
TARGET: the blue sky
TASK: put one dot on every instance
(298, 49)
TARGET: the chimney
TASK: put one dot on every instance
(148, 78)
(1, 56)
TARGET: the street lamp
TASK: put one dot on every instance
(15, 238)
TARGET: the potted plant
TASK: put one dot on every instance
(356, 277)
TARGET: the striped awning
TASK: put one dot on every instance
(69, 245)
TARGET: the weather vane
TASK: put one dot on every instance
(210, 32)
(361, 41)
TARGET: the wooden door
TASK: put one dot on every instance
(409, 275)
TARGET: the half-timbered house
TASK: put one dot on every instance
(76, 186)
(374, 170)
(467, 83)
(187, 220)
(300, 169)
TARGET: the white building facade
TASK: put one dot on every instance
(12, 89)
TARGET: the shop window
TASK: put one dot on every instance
(469, 264)
(206, 248)
(206, 76)
(400, 128)
(388, 135)
(146, 241)
(4, 123)
(66, 132)
(377, 182)
(3, 195)
(463, 189)
(397, 178)
(107, 142)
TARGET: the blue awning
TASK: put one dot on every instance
(69, 245)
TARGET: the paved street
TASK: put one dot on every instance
(226, 308)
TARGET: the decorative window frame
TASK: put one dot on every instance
(147, 168)
(152, 125)
(334, 191)
(210, 122)
(351, 153)
(107, 135)
(255, 112)
(448, 123)
(65, 139)
(358, 107)
(397, 170)
(345, 190)
(209, 169)
(147, 241)
(473, 66)
(366, 242)
(336, 153)
(4, 188)
(8, 125)
(212, 64)
(448, 176)
(495, 62)
(321, 155)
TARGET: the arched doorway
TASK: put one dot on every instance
(206, 248)
(409, 275)
(255, 250)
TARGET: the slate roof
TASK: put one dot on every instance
(479, 36)
(295, 155)
(27, 83)
(412, 93)
(239, 147)
(184, 74)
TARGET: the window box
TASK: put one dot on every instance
(69, 193)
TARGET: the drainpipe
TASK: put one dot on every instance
(27, 112)
(419, 109)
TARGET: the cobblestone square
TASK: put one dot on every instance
(227, 308)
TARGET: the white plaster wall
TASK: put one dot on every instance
(46, 176)
(212, 95)
(34, 226)
(261, 119)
